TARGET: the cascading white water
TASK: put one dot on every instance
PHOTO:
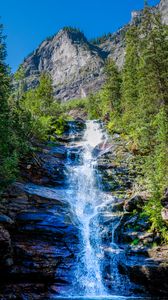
(93, 208)
(87, 199)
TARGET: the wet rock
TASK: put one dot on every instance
(47, 166)
(22, 291)
(133, 231)
(59, 152)
(6, 257)
(101, 149)
(78, 125)
(6, 221)
(118, 205)
(45, 241)
(74, 154)
(152, 275)
(149, 268)
(32, 216)
(73, 133)
(46, 236)
(135, 203)
(14, 191)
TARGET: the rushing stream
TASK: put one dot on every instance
(87, 200)
(95, 273)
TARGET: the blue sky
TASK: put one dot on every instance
(28, 22)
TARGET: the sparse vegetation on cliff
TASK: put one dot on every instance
(134, 102)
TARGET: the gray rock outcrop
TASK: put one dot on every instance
(163, 8)
(75, 64)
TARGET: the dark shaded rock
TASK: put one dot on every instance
(32, 216)
(101, 149)
(133, 231)
(106, 166)
(118, 205)
(14, 191)
(50, 169)
(74, 154)
(6, 258)
(6, 221)
(59, 152)
(152, 275)
(135, 203)
(24, 291)
(77, 126)
(46, 237)
(164, 200)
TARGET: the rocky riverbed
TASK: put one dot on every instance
(40, 236)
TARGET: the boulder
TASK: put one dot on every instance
(151, 274)
(135, 203)
(102, 148)
(6, 221)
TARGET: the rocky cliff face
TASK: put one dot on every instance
(76, 65)
(40, 233)
(163, 7)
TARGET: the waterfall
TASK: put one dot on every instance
(86, 199)
(95, 270)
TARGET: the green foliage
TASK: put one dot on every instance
(102, 39)
(135, 103)
(106, 103)
(149, 109)
(94, 106)
(60, 124)
(135, 242)
(25, 117)
(71, 29)
(8, 155)
(152, 75)
(111, 92)
(113, 37)
(74, 104)
(37, 112)
(130, 82)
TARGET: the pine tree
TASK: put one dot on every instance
(152, 74)
(111, 92)
(152, 128)
(44, 91)
(8, 158)
(94, 106)
(130, 81)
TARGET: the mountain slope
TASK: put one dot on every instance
(75, 64)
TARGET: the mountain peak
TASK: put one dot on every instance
(75, 64)
(73, 34)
